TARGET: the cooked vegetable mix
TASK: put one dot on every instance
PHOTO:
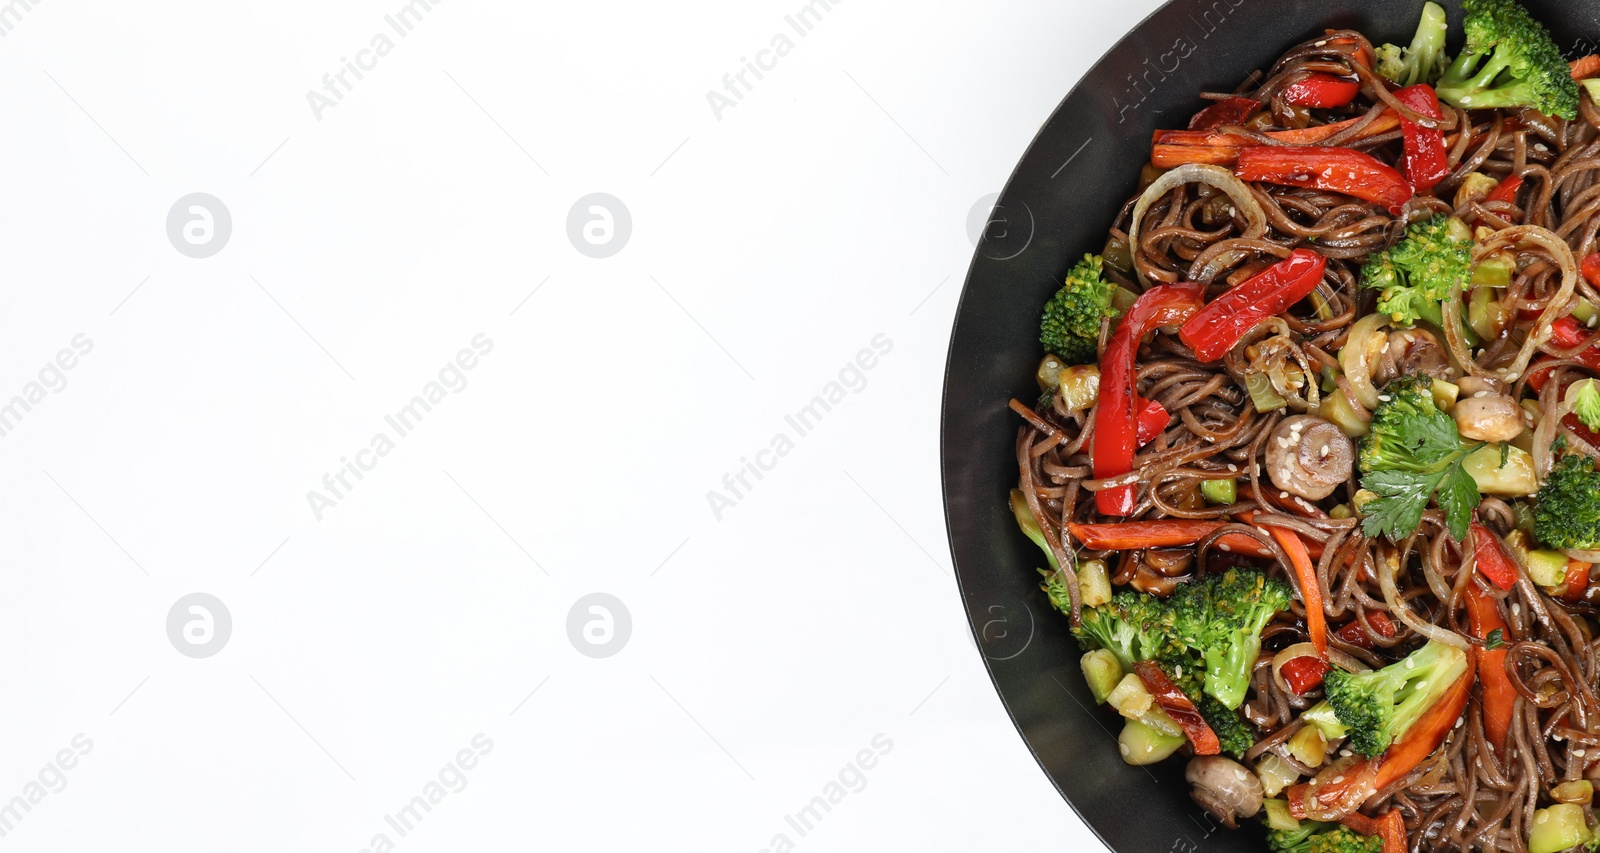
(1313, 470)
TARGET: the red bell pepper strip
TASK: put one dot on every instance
(1576, 581)
(1493, 561)
(1153, 418)
(1320, 90)
(1356, 635)
(1499, 697)
(1591, 269)
(1402, 757)
(1303, 673)
(1305, 574)
(1391, 827)
(1178, 707)
(1426, 163)
(1506, 190)
(1115, 422)
(1342, 170)
(1128, 535)
(1228, 318)
(1566, 333)
(1228, 111)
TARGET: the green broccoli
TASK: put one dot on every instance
(1412, 452)
(1417, 273)
(1071, 324)
(1222, 616)
(1509, 61)
(1315, 837)
(1424, 60)
(1188, 673)
(1132, 625)
(1585, 397)
(1030, 529)
(1378, 707)
(1566, 512)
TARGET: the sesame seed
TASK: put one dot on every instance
(1320, 43)
(1578, 753)
(1384, 398)
(1224, 546)
(1324, 451)
(1345, 753)
(1232, 468)
(1283, 496)
(1541, 816)
(1423, 684)
(1124, 748)
(1336, 780)
(1411, 664)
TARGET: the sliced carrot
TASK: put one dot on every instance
(1176, 147)
(1391, 827)
(1586, 67)
(1305, 573)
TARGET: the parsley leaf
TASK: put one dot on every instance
(1413, 451)
(1495, 640)
(1458, 497)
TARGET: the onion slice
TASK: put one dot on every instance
(1397, 605)
(1560, 252)
(1196, 173)
(1365, 343)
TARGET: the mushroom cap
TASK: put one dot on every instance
(1309, 457)
(1224, 787)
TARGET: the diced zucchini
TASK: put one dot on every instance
(1262, 394)
(1220, 491)
(1444, 394)
(1336, 408)
(1133, 701)
(1142, 745)
(1094, 583)
(1049, 373)
(1557, 828)
(1308, 746)
(1579, 791)
(1474, 185)
(1278, 816)
(1494, 271)
(1514, 478)
(1102, 671)
(1080, 387)
(1484, 313)
(1584, 311)
(1547, 568)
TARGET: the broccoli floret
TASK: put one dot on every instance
(1030, 529)
(1321, 717)
(1566, 512)
(1424, 60)
(1378, 707)
(1509, 61)
(1411, 452)
(1222, 616)
(1233, 732)
(1315, 837)
(1188, 674)
(1417, 273)
(1132, 625)
(1071, 324)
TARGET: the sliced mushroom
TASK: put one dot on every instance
(1423, 354)
(1490, 417)
(1309, 457)
(1472, 386)
(1225, 788)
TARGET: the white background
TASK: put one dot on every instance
(769, 245)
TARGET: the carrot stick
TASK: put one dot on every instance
(1310, 589)
(1391, 827)
(1177, 147)
(1586, 67)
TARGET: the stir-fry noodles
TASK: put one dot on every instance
(1313, 463)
